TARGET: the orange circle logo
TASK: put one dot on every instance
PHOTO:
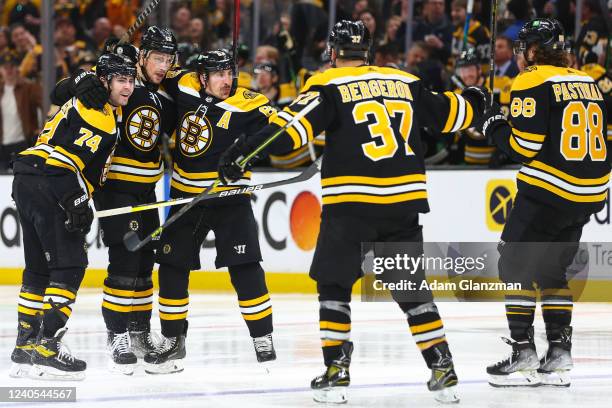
(304, 220)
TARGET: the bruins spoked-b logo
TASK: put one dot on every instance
(142, 128)
(194, 134)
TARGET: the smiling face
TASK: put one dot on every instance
(121, 88)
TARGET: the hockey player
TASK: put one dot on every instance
(135, 168)
(210, 113)
(373, 180)
(53, 183)
(557, 132)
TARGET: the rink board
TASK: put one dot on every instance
(464, 208)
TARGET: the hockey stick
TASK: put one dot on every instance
(139, 21)
(492, 50)
(235, 36)
(131, 240)
(466, 26)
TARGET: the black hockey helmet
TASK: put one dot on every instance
(217, 60)
(350, 40)
(467, 58)
(544, 32)
(159, 39)
(110, 64)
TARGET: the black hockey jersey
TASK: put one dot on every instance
(558, 118)
(206, 127)
(604, 82)
(137, 163)
(478, 38)
(76, 140)
(373, 159)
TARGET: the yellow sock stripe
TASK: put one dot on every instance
(524, 293)
(556, 292)
(118, 292)
(519, 313)
(331, 343)
(31, 296)
(253, 302)
(324, 324)
(363, 198)
(28, 311)
(65, 310)
(142, 308)
(546, 307)
(172, 316)
(428, 344)
(173, 302)
(117, 308)
(143, 293)
(60, 292)
(258, 316)
(425, 327)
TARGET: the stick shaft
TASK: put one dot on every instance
(142, 16)
(492, 50)
(466, 26)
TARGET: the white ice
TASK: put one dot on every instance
(387, 370)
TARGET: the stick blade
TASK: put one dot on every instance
(131, 241)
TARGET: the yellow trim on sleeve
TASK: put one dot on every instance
(532, 137)
(452, 114)
(520, 150)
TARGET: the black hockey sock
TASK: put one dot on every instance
(57, 307)
(557, 305)
(334, 319)
(117, 302)
(426, 328)
(142, 306)
(253, 298)
(520, 309)
(173, 299)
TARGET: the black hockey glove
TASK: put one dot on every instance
(492, 119)
(479, 97)
(79, 214)
(229, 170)
(88, 89)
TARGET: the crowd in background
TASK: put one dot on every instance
(292, 46)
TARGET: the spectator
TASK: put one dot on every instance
(119, 30)
(266, 53)
(5, 41)
(369, 20)
(387, 56)
(21, 102)
(197, 34)
(309, 31)
(593, 35)
(221, 20)
(478, 36)
(435, 29)
(419, 63)
(23, 41)
(266, 81)
(100, 32)
(121, 12)
(358, 8)
(27, 14)
(505, 65)
(391, 33)
(520, 11)
(181, 23)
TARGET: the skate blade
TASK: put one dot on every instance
(125, 369)
(525, 378)
(446, 395)
(169, 367)
(20, 370)
(557, 378)
(268, 366)
(331, 395)
(38, 372)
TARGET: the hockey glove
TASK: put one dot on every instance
(229, 170)
(88, 89)
(492, 119)
(78, 212)
(479, 98)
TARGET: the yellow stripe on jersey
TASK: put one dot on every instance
(294, 159)
(295, 137)
(112, 175)
(609, 133)
(362, 198)
(452, 114)
(245, 100)
(521, 150)
(304, 122)
(532, 137)
(352, 74)
(560, 192)
(209, 175)
(375, 181)
(40, 153)
(135, 163)
(568, 177)
(103, 120)
(76, 159)
(537, 75)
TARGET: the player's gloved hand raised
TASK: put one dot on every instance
(479, 98)
(229, 170)
(79, 214)
(492, 119)
(88, 89)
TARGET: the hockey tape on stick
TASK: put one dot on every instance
(139, 21)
